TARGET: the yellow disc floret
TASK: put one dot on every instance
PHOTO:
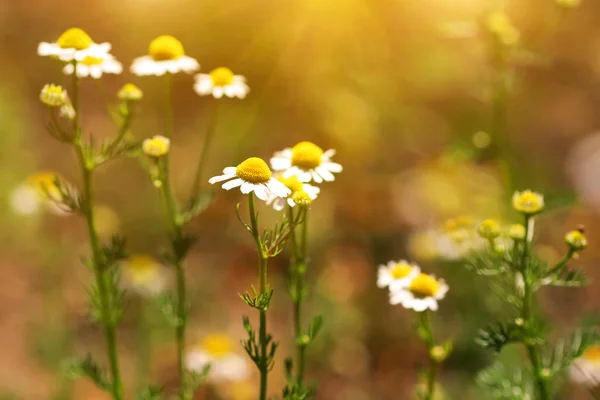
(592, 354)
(424, 286)
(217, 345)
(45, 183)
(489, 229)
(576, 240)
(221, 76)
(89, 60)
(306, 155)
(157, 146)
(53, 95)
(528, 202)
(74, 38)
(254, 170)
(292, 183)
(516, 232)
(165, 47)
(301, 198)
(130, 92)
(401, 270)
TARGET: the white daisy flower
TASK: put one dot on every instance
(218, 351)
(40, 192)
(144, 275)
(307, 161)
(73, 45)
(165, 55)
(95, 66)
(586, 369)
(396, 275)
(421, 294)
(294, 184)
(221, 82)
(252, 175)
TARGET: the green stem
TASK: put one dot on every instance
(262, 277)
(99, 271)
(210, 133)
(532, 350)
(433, 364)
(168, 105)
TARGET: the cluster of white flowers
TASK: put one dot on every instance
(410, 287)
(294, 168)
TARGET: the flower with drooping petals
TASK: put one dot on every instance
(73, 45)
(252, 175)
(221, 82)
(42, 190)
(294, 184)
(307, 161)
(218, 350)
(165, 55)
(423, 293)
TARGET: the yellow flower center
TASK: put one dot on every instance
(401, 270)
(140, 269)
(165, 47)
(156, 147)
(292, 183)
(254, 170)
(301, 198)
(45, 184)
(576, 239)
(221, 76)
(516, 232)
(424, 286)
(306, 155)
(528, 202)
(592, 354)
(89, 60)
(74, 38)
(130, 92)
(489, 229)
(218, 345)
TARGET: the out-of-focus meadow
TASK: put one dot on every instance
(397, 87)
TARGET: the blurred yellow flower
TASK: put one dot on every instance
(576, 240)
(165, 55)
(221, 82)
(397, 273)
(489, 229)
(502, 28)
(301, 198)
(156, 146)
(73, 45)
(218, 350)
(307, 161)
(422, 293)
(586, 369)
(144, 275)
(516, 232)
(528, 202)
(40, 190)
(95, 67)
(130, 92)
(53, 95)
(107, 221)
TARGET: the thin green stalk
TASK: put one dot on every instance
(262, 277)
(532, 352)
(210, 133)
(168, 105)
(101, 282)
(433, 364)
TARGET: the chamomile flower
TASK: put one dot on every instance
(528, 202)
(294, 184)
(165, 55)
(130, 92)
(252, 175)
(40, 191)
(422, 293)
(221, 82)
(156, 146)
(144, 275)
(218, 350)
(576, 240)
(398, 274)
(586, 369)
(95, 67)
(73, 45)
(53, 96)
(307, 161)
(516, 232)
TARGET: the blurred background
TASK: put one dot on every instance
(407, 93)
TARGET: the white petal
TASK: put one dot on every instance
(233, 184)
(260, 191)
(329, 153)
(247, 187)
(280, 163)
(220, 178)
(278, 188)
(315, 176)
(217, 92)
(333, 167)
(328, 176)
(229, 170)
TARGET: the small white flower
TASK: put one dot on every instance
(95, 66)
(252, 175)
(73, 45)
(39, 191)
(294, 184)
(396, 275)
(221, 82)
(307, 161)
(586, 369)
(218, 351)
(165, 55)
(422, 293)
(144, 275)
